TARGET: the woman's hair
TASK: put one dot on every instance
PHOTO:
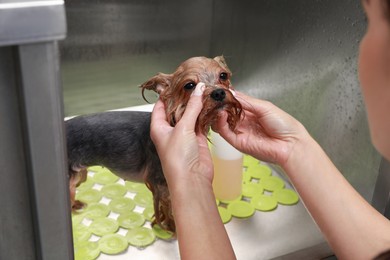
(383, 256)
(386, 9)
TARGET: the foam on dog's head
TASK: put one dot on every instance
(175, 90)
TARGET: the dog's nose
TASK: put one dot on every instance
(218, 94)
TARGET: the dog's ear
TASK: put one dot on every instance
(157, 83)
(221, 61)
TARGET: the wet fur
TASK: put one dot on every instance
(120, 141)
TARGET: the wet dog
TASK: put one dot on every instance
(120, 141)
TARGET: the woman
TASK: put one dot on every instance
(351, 226)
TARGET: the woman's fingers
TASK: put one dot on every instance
(158, 113)
(193, 108)
(159, 125)
(252, 104)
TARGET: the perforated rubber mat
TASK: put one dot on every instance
(119, 213)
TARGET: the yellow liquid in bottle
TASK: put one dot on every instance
(227, 183)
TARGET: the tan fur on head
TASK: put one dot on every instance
(175, 90)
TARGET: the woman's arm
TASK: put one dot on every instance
(188, 169)
(200, 231)
(353, 228)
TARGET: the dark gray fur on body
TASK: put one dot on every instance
(119, 141)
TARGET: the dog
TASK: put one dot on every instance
(120, 141)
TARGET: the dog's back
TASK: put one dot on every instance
(119, 141)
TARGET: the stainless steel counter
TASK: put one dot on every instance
(288, 232)
(285, 233)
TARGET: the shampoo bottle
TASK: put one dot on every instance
(228, 167)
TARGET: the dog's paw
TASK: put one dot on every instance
(77, 205)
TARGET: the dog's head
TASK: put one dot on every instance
(175, 90)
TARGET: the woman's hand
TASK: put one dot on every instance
(265, 132)
(183, 154)
(188, 169)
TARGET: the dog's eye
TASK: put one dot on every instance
(223, 76)
(190, 85)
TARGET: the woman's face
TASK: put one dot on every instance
(374, 72)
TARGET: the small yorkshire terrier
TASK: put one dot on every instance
(120, 141)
